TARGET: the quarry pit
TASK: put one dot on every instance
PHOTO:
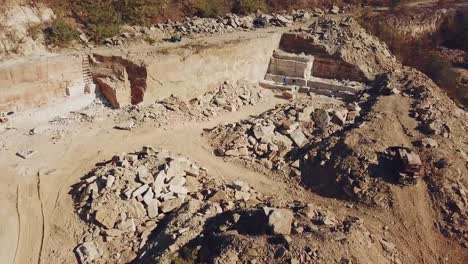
(259, 145)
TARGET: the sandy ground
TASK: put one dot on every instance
(38, 223)
(37, 213)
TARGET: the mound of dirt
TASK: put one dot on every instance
(417, 116)
(446, 159)
(317, 235)
(346, 40)
(229, 97)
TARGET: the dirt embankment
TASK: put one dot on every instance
(432, 40)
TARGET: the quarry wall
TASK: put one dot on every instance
(33, 82)
(186, 72)
(189, 73)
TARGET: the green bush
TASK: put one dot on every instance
(211, 8)
(35, 30)
(250, 6)
(139, 12)
(99, 17)
(60, 33)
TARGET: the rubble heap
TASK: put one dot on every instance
(160, 112)
(148, 205)
(276, 138)
(269, 235)
(124, 199)
(209, 26)
(229, 97)
(343, 39)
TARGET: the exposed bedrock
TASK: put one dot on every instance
(121, 81)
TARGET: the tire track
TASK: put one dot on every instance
(18, 237)
(42, 215)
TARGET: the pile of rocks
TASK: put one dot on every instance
(346, 40)
(229, 97)
(297, 233)
(150, 203)
(278, 138)
(161, 112)
(209, 26)
(124, 199)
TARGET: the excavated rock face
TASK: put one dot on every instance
(342, 50)
(122, 82)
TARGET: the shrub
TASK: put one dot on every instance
(35, 30)
(250, 6)
(99, 17)
(139, 12)
(60, 33)
(211, 8)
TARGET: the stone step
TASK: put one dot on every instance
(282, 55)
(304, 89)
(335, 85)
(286, 79)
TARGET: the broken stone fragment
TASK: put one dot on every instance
(152, 208)
(242, 196)
(178, 189)
(288, 126)
(321, 118)
(140, 190)
(170, 205)
(87, 252)
(176, 168)
(240, 185)
(263, 131)
(192, 184)
(110, 181)
(128, 125)
(387, 246)
(177, 181)
(144, 175)
(298, 138)
(339, 117)
(106, 217)
(243, 151)
(148, 196)
(429, 143)
(127, 225)
(192, 171)
(232, 153)
(279, 220)
(352, 116)
(131, 157)
(135, 209)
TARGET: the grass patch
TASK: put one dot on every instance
(60, 33)
(211, 8)
(35, 30)
(250, 6)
